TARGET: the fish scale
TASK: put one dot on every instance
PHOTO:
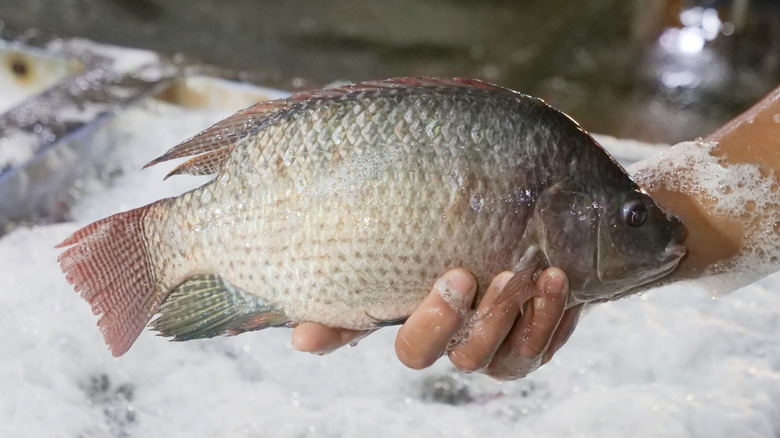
(342, 207)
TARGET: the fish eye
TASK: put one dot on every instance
(635, 212)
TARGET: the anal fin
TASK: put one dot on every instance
(205, 306)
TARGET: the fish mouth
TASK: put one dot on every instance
(669, 261)
(675, 251)
(672, 256)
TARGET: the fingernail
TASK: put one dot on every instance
(457, 289)
(323, 351)
(553, 283)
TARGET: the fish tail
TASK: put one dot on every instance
(108, 263)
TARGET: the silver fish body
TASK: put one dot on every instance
(343, 206)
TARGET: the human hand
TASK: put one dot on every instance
(517, 326)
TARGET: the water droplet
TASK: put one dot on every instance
(432, 129)
(288, 156)
(476, 135)
(300, 183)
(338, 135)
(776, 118)
(477, 202)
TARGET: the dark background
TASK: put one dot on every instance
(619, 67)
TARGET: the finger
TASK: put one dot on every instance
(311, 337)
(531, 336)
(425, 335)
(493, 319)
(565, 328)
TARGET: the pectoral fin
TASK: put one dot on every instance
(205, 306)
(521, 287)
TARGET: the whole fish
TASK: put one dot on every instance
(342, 206)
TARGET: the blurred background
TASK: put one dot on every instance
(658, 71)
(653, 70)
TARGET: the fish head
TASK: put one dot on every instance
(610, 242)
(638, 242)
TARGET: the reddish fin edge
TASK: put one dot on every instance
(108, 264)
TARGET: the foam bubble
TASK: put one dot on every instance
(474, 324)
(452, 296)
(736, 192)
(347, 178)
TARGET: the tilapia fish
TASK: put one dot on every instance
(342, 206)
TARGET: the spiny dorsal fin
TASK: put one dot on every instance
(223, 136)
(205, 306)
(387, 85)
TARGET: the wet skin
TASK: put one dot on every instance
(512, 339)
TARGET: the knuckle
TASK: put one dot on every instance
(506, 375)
(513, 367)
(467, 363)
(529, 351)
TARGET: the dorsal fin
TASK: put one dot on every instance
(220, 138)
(402, 83)
(222, 135)
(207, 163)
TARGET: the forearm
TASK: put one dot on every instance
(725, 196)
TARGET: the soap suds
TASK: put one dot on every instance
(452, 296)
(737, 192)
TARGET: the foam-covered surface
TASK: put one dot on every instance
(736, 192)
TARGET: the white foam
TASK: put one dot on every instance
(474, 324)
(738, 192)
(452, 296)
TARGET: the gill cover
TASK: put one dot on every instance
(569, 225)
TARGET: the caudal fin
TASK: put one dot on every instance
(108, 263)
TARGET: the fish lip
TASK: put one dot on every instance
(672, 256)
(668, 264)
(675, 250)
